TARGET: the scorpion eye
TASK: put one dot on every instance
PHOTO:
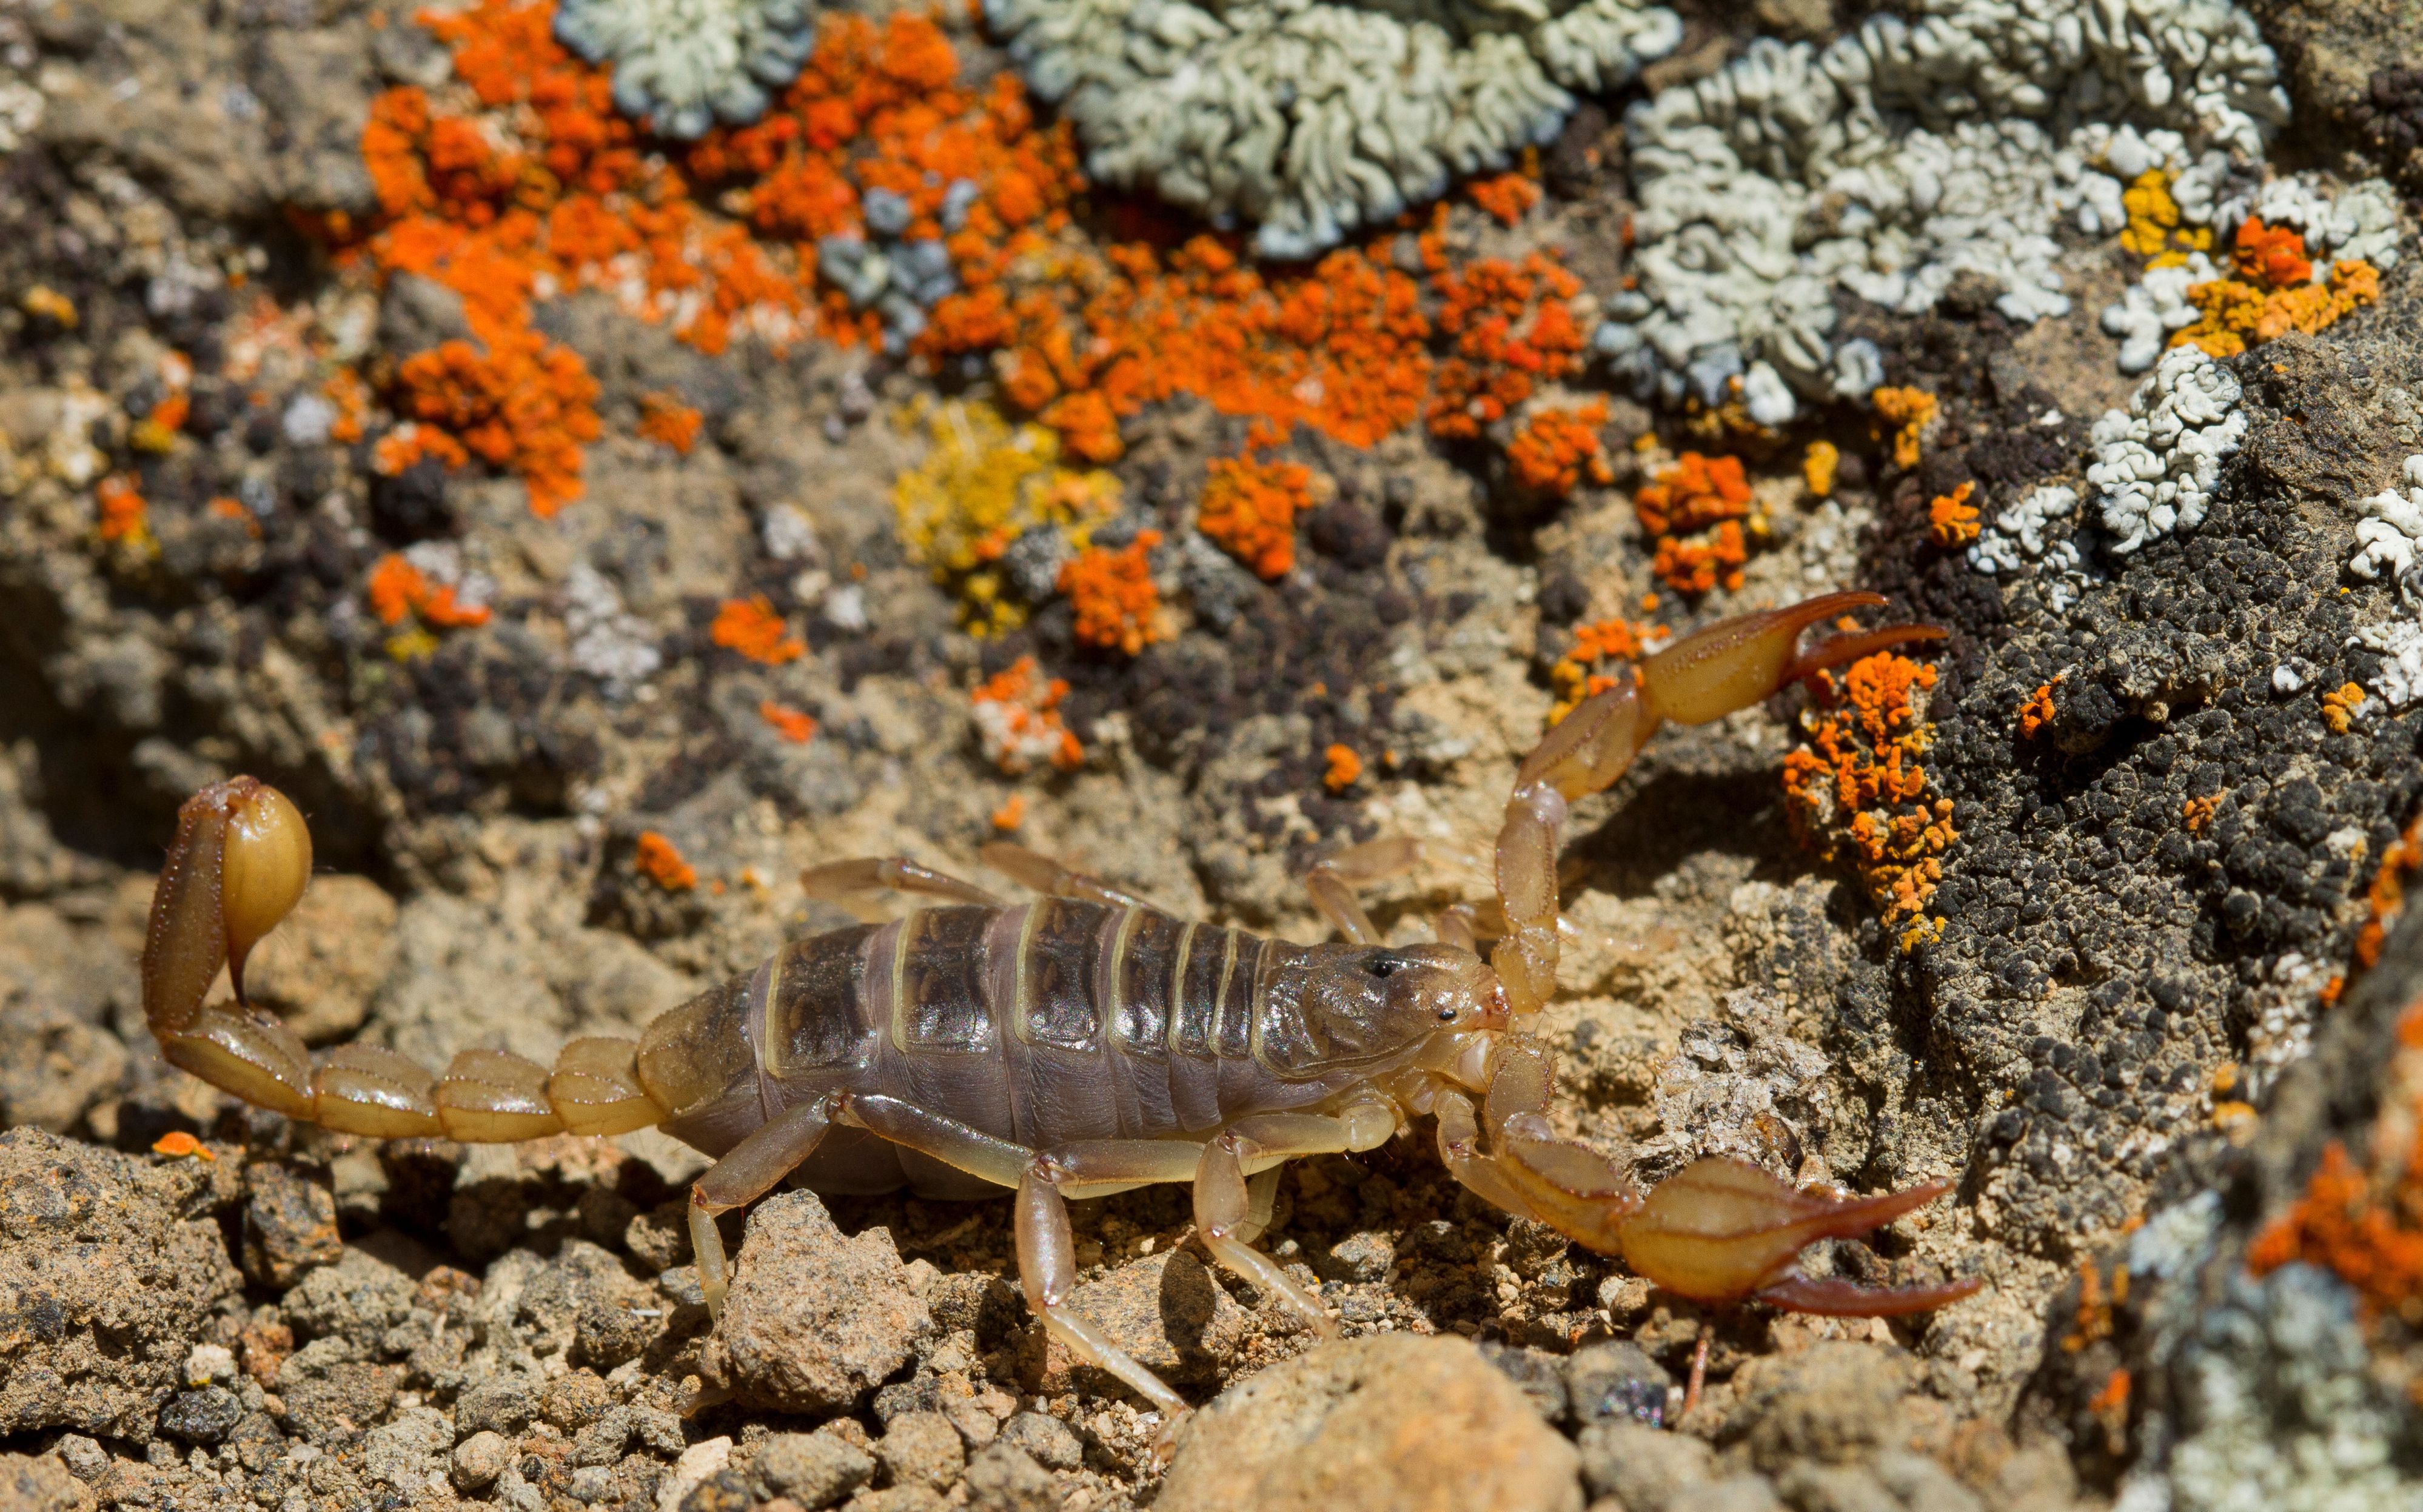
(1447, 1016)
(1383, 965)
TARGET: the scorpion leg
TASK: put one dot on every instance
(1706, 675)
(1047, 1271)
(1230, 1205)
(747, 1171)
(864, 874)
(1332, 880)
(1051, 878)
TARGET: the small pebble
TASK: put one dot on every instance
(922, 1449)
(815, 1470)
(480, 1459)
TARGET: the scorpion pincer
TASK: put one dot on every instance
(1084, 1043)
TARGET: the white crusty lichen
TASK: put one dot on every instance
(2037, 536)
(2155, 463)
(2387, 540)
(687, 64)
(2273, 1409)
(2356, 223)
(1901, 157)
(1312, 117)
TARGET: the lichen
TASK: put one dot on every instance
(1855, 790)
(1695, 515)
(1313, 118)
(1897, 159)
(2158, 462)
(1249, 509)
(683, 65)
(1557, 448)
(752, 627)
(989, 496)
(1018, 724)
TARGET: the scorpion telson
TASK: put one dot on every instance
(1085, 1043)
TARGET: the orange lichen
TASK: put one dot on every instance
(2373, 1241)
(525, 404)
(1909, 412)
(665, 419)
(351, 398)
(1510, 329)
(1011, 814)
(1345, 768)
(1556, 449)
(1018, 721)
(2197, 813)
(1575, 676)
(1855, 786)
(2037, 711)
(1249, 508)
(125, 514)
(796, 726)
(1950, 520)
(2340, 704)
(661, 863)
(540, 186)
(1082, 339)
(156, 431)
(2095, 1300)
(2272, 293)
(404, 600)
(1818, 465)
(1509, 196)
(2386, 898)
(179, 1145)
(1117, 606)
(751, 627)
(1694, 513)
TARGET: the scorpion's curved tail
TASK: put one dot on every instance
(1718, 1231)
(240, 863)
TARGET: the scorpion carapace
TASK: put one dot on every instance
(1083, 1044)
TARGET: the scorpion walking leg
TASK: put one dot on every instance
(1051, 878)
(1231, 1209)
(836, 880)
(1047, 1269)
(748, 1172)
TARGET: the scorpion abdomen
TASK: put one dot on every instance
(1043, 1025)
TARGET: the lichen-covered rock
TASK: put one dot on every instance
(1391, 1422)
(1315, 117)
(109, 1269)
(814, 1316)
(683, 65)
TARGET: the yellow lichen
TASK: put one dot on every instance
(2154, 231)
(1818, 465)
(984, 484)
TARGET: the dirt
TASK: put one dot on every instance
(2120, 1028)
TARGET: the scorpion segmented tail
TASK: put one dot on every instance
(239, 864)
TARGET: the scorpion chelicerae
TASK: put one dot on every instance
(1086, 1043)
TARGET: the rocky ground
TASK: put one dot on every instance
(2134, 1025)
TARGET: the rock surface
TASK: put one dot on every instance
(109, 1267)
(816, 1318)
(1387, 1423)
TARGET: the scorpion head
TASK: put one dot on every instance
(1359, 1006)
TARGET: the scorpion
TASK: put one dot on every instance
(1086, 1043)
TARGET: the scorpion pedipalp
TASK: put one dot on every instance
(1718, 1231)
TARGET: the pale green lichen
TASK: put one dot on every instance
(683, 65)
(1312, 117)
